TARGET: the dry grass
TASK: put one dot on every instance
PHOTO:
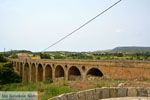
(48, 90)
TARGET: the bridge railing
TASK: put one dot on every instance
(79, 60)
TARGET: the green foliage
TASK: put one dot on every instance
(119, 53)
(59, 57)
(2, 58)
(131, 49)
(97, 55)
(13, 56)
(8, 65)
(45, 56)
(79, 56)
(55, 90)
(48, 80)
(49, 90)
(7, 75)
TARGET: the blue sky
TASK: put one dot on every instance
(36, 24)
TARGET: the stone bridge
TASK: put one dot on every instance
(40, 70)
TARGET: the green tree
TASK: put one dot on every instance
(45, 56)
(2, 58)
(7, 75)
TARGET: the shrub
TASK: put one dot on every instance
(48, 80)
(2, 58)
(7, 75)
(8, 65)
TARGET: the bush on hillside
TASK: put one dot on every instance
(48, 80)
(8, 65)
(7, 75)
(2, 58)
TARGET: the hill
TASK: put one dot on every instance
(131, 49)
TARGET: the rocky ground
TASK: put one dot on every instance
(82, 85)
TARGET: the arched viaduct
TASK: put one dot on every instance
(40, 70)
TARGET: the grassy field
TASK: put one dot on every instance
(45, 91)
(48, 90)
(1, 64)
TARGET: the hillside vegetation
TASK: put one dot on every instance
(7, 74)
(131, 49)
(118, 53)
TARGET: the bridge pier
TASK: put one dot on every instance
(21, 69)
(30, 73)
(23, 78)
(66, 75)
(44, 71)
(53, 73)
(36, 74)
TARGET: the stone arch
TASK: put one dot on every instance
(40, 73)
(33, 73)
(48, 72)
(59, 71)
(74, 73)
(26, 72)
(94, 72)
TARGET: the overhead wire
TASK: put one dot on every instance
(81, 26)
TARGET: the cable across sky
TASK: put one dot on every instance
(81, 26)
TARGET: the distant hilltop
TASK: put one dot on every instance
(130, 49)
(123, 49)
(118, 53)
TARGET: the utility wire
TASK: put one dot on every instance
(82, 26)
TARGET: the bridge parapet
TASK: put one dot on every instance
(106, 93)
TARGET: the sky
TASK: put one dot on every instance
(36, 24)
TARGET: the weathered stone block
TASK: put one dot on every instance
(148, 92)
(72, 96)
(54, 98)
(95, 96)
(81, 95)
(122, 92)
(113, 92)
(90, 94)
(132, 92)
(105, 92)
(142, 92)
(98, 93)
(62, 97)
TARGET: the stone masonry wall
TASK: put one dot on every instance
(105, 92)
(125, 72)
(110, 69)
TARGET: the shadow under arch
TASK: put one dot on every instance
(33, 72)
(40, 73)
(74, 73)
(26, 72)
(48, 72)
(94, 72)
(18, 66)
(21, 69)
(59, 71)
